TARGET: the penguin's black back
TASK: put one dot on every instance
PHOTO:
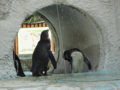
(40, 56)
(40, 52)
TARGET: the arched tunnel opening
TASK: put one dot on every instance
(72, 28)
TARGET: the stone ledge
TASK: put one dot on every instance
(95, 81)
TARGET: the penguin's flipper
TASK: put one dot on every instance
(88, 63)
(51, 57)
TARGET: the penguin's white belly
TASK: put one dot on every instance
(77, 63)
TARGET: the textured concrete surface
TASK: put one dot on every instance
(85, 81)
(101, 17)
(39, 84)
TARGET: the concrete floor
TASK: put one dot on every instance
(81, 81)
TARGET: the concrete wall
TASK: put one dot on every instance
(93, 26)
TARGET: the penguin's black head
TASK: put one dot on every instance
(67, 55)
(44, 35)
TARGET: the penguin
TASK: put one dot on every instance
(17, 65)
(41, 56)
(76, 59)
(77, 63)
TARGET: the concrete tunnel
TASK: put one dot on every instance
(72, 28)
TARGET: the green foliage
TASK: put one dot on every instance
(34, 18)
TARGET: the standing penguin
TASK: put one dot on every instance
(76, 59)
(42, 55)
